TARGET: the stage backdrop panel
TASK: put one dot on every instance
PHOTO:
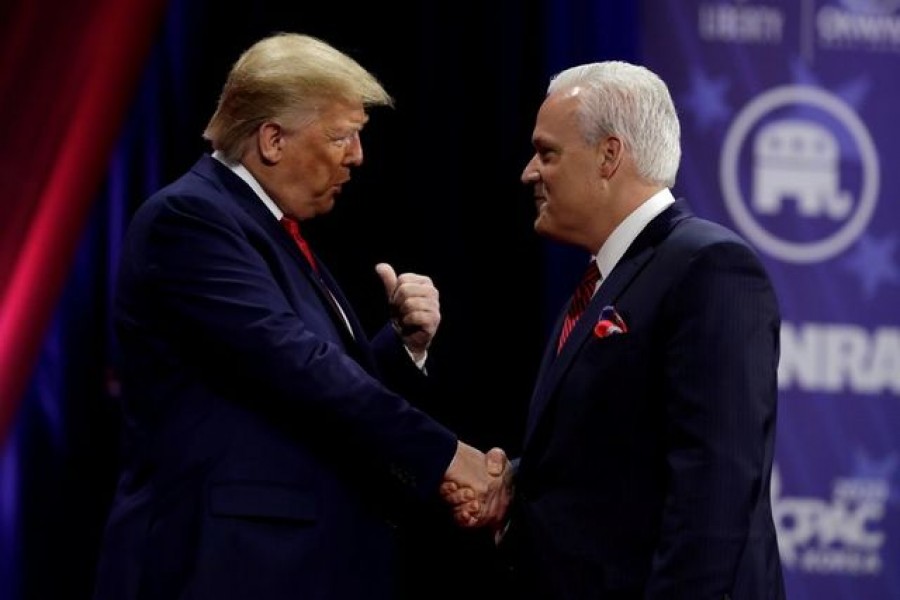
(791, 136)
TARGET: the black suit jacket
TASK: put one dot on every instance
(646, 462)
(262, 444)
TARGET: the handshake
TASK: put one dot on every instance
(478, 487)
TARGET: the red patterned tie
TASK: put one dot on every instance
(580, 300)
(293, 228)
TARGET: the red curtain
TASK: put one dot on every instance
(68, 71)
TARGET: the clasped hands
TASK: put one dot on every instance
(478, 487)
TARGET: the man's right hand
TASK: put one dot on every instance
(478, 486)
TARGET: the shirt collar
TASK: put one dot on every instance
(626, 232)
(241, 171)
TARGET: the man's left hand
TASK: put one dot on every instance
(415, 307)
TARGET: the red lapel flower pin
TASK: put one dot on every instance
(609, 323)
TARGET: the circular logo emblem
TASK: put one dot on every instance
(799, 173)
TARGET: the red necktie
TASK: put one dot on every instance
(293, 228)
(580, 300)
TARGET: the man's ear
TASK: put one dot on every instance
(270, 140)
(609, 155)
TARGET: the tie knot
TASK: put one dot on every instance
(293, 228)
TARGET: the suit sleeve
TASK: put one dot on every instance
(722, 324)
(212, 283)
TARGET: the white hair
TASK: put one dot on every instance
(632, 103)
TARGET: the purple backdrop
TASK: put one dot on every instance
(790, 136)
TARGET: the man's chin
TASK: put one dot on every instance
(325, 204)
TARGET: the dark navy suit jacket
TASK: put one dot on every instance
(645, 467)
(264, 445)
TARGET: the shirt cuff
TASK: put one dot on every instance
(419, 363)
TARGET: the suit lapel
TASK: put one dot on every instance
(639, 253)
(553, 367)
(246, 198)
(327, 285)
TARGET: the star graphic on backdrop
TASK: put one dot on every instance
(852, 92)
(872, 261)
(866, 467)
(706, 99)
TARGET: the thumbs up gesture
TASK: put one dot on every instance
(415, 309)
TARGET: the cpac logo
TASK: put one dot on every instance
(837, 536)
(799, 173)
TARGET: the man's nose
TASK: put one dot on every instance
(355, 151)
(530, 173)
